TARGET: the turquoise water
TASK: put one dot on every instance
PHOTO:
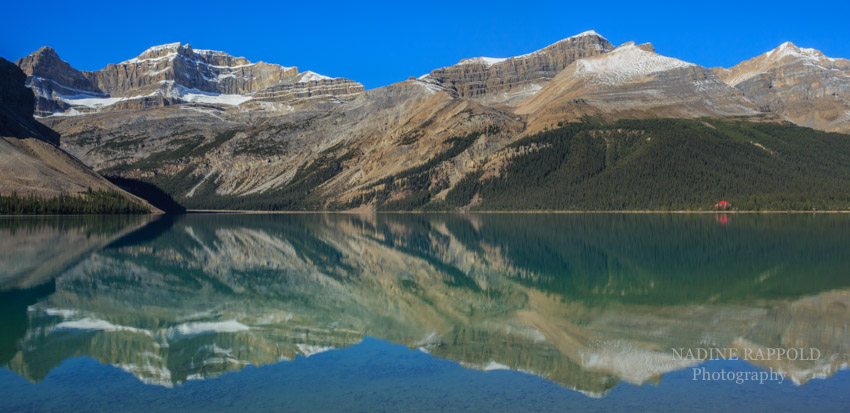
(412, 312)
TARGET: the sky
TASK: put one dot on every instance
(381, 43)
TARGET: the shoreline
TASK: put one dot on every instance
(356, 212)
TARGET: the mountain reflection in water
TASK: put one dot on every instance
(585, 301)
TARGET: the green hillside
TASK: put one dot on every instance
(668, 164)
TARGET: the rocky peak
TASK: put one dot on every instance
(171, 51)
(567, 43)
(801, 84)
(172, 74)
(789, 49)
(46, 63)
(585, 40)
(43, 56)
(164, 50)
(499, 80)
(633, 80)
(785, 54)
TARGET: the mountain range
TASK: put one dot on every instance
(216, 131)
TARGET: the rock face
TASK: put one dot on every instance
(801, 84)
(16, 106)
(381, 133)
(30, 161)
(499, 80)
(634, 81)
(173, 74)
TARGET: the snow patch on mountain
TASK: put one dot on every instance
(627, 63)
(199, 96)
(577, 36)
(149, 60)
(429, 85)
(309, 76)
(489, 61)
(790, 49)
(586, 33)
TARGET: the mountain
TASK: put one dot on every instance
(216, 131)
(499, 80)
(175, 73)
(31, 164)
(803, 85)
(632, 81)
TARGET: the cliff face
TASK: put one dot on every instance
(499, 80)
(803, 85)
(16, 107)
(173, 74)
(31, 163)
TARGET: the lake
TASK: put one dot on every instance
(425, 312)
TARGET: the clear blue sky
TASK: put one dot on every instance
(378, 44)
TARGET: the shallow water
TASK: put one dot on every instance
(400, 312)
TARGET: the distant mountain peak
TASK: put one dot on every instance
(590, 33)
(790, 49)
(507, 79)
(783, 55)
(490, 61)
(43, 54)
(587, 33)
(167, 46)
(45, 50)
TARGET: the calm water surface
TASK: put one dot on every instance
(493, 312)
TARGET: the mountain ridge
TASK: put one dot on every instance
(171, 74)
(210, 133)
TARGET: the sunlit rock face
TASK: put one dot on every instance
(801, 84)
(503, 80)
(173, 74)
(633, 81)
(590, 302)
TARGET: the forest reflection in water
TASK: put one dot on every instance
(584, 301)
